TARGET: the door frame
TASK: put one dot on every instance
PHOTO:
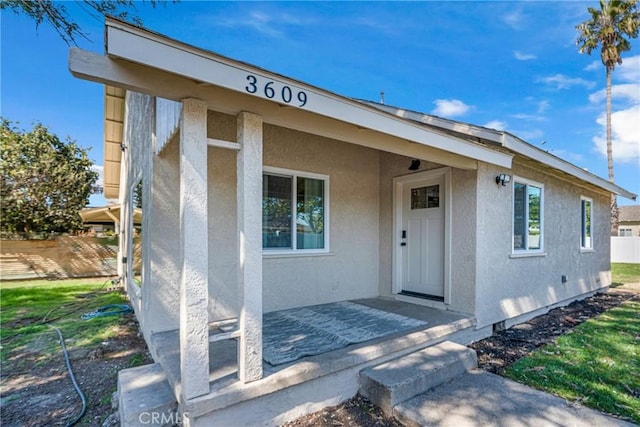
(398, 184)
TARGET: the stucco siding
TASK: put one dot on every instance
(136, 167)
(509, 286)
(163, 303)
(463, 240)
(223, 244)
(349, 270)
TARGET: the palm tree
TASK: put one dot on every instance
(608, 28)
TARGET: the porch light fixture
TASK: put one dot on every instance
(503, 179)
(415, 165)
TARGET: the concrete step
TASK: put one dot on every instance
(145, 397)
(401, 379)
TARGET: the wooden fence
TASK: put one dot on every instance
(64, 257)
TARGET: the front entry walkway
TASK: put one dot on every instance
(480, 398)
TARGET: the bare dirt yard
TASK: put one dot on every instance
(36, 389)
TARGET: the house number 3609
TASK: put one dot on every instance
(271, 90)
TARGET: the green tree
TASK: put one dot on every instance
(611, 27)
(44, 181)
(55, 14)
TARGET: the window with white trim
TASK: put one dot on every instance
(294, 211)
(586, 212)
(527, 216)
(625, 232)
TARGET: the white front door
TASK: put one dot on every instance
(421, 242)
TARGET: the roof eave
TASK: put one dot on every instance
(519, 146)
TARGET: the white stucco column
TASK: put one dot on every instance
(194, 291)
(249, 193)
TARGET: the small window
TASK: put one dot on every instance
(527, 216)
(586, 240)
(294, 211)
(625, 232)
(425, 197)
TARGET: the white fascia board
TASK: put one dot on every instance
(446, 124)
(521, 147)
(144, 47)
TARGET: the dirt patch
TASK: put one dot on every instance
(36, 388)
(358, 411)
(502, 349)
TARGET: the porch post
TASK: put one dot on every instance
(249, 195)
(194, 292)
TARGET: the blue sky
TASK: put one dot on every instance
(511, 66)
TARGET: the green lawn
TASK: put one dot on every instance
(25, 305)
(597, 364)
(624, 273)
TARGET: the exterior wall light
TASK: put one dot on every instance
(415, 165)
(503, 179)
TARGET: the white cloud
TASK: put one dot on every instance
(625, 122)
(629, 70)
(629, 92)
(529, 134)
(595, 65)
(523, 56)
(560, 81)
(625, 129)
(450, 108)
(514, 19)
(100, 170)
(543, 106)
(528, 117)
(570, 156)
(495, 124)
(268, 24)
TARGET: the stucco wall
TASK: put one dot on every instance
(163, 302)
(136, 164)
(349, 271)
(464, 207)
(509, 286)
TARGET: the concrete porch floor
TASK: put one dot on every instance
(294, 389)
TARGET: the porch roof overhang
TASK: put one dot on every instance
(140, 60)
(110, 213)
